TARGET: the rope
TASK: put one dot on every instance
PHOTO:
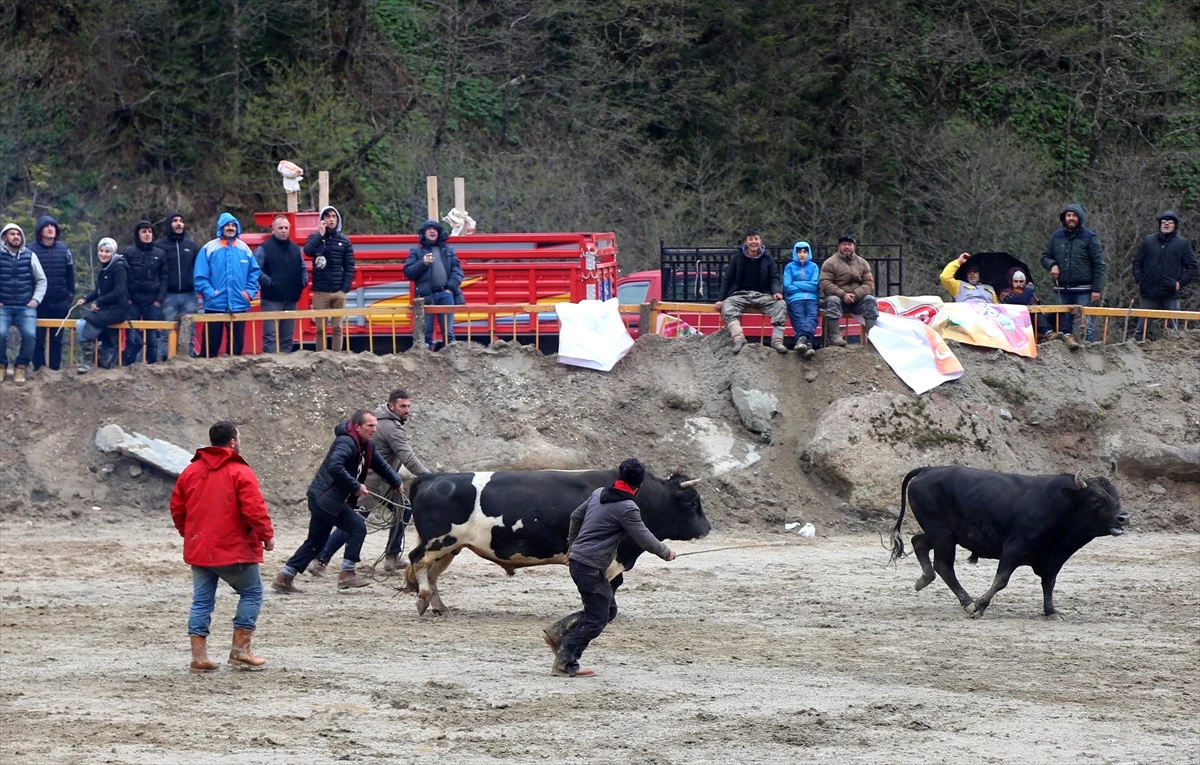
(734, 547)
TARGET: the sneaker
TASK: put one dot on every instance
(351, 579)
(317, 569)
(779, 346)
(560, 671)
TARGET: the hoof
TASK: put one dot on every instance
(422, 604)
(922, 583)
(973, 610)
(1054, 617)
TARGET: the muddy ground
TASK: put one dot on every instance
(812, 650)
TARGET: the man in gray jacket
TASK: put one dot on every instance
(597, 526)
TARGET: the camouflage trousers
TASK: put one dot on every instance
(736, 304)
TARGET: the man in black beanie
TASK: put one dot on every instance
(606, 519)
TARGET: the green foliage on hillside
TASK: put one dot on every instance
(944, 126)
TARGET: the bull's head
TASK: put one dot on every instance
(686, 514)
(1099, 504)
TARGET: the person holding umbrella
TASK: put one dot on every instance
(970, 291)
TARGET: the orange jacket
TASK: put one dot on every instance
(219, 510)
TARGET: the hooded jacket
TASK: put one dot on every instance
(21, 276)
(57, 263)
(180, 253)
(761, 274)
(392, 444)
(226, 273)
(333, 258)
(344, 470)
(1162, 260)
(446, 273)
(800, 282)
(603, 521)
(147, 270)
(1078, 255)
(219, 510)
(111, 294)
(284, 272)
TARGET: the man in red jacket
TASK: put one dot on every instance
(223, 519)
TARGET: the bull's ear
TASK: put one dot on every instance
(1071, 493)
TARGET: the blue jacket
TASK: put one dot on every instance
(800, 281)
(225, 269)
(423, 275)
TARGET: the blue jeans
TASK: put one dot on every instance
(1067, 320)
(25, 318)
(177, 304)
(444, 320)
(155, 341)
(319, 525)
(803, 315)
(339, 537)
(599, 608)
(245, 580)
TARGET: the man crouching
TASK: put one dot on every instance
(598, 526)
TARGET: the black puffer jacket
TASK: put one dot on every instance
(345, 469)
(58, 265)
(147, 271)
(1164, 260)
(180, 252)
(111, 294)
(333, 258)
(1077, 253)
(284, 272)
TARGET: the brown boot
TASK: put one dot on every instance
(833, 335)
(19, 375)
(3, 372)
(240, 655)
(554, 634)
(1071, 342)
(562, 670)
(283, 584)
(317, 569)
(777, 340)
(739, 337)
(350, 579)
(200, 662)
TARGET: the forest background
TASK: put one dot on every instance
(942, 126)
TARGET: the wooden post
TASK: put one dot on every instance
(293, 201)
(460, 193)
(418, 323)
(323, 189)
(431, 196)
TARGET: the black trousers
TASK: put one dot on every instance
(599, 608)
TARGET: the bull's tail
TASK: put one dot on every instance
(897, 539)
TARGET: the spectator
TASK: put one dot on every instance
(970, 291)
(59, 267)
(752, 281)
(847, 284)
(147, 290)
(1020, 292)
(607, 518)
(1164, 263)
(332, 497)
(180, 253)
(333, 271)
(221, 515)
(800, 285)
(109, 304)
(226, 276)
(1075, 259)
(391, 442)
(22, 287)
(434, 267)
(283, 277)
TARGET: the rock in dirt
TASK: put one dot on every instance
(154, 452)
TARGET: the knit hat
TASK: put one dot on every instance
(111, 244)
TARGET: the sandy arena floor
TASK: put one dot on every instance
(810, 651)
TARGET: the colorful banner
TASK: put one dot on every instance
(991, 325)
(591, 334)
(918, 354)
(923, 308)
(671, 326)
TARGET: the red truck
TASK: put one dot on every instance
(498, 269)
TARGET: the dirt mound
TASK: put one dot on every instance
(776, 439)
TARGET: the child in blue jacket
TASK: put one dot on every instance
(800, 279)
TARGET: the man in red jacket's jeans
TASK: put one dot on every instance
(223, 519)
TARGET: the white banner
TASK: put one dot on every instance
(915, 352)
(591, 334)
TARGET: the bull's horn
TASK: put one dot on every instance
(1079, 479)
(689, 484)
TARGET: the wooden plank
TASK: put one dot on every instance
(323, 189)
(460, 193)
(431, 196)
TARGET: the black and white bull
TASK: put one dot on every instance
(1021, 520)
(521, 518)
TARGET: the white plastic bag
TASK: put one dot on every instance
(292, 175)
(460, 221)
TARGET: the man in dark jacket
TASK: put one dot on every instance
(109, 305)
(147, 290)
(284, 275)
(1164, 263)
(1075, 259)
(180, 253)
(434, 268)
(333, 271)
(607, 518)
(332, 497)
(59, 267)
(752, 281)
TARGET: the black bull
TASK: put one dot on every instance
(1020, 520)
(521, 518)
